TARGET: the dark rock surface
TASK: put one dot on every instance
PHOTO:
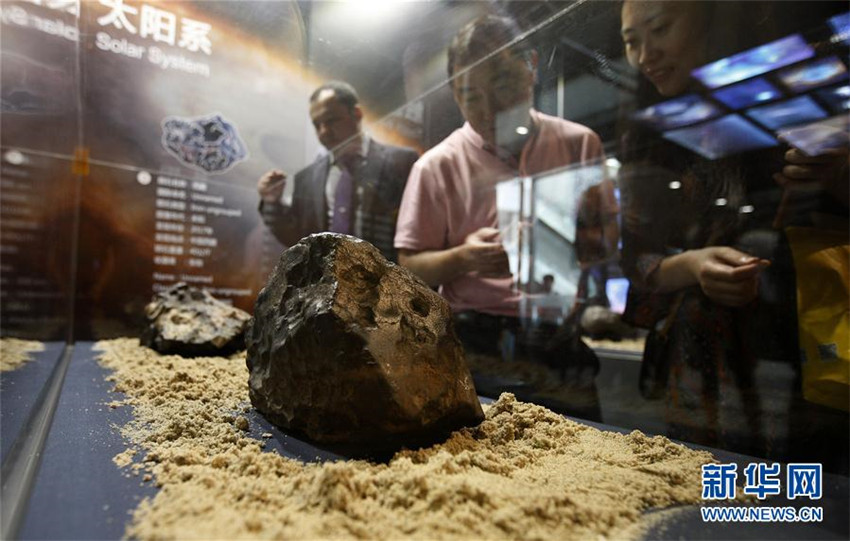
(346, 347)
(188, 321)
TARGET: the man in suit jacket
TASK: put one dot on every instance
(355, 189)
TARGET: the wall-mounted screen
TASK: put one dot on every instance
(813, 74)
(748, 93)
(617, 290)
(678, 112)
(787, 113)
(841, 27)
(819, 137)
(758, 61)
(728, 135)
(837, 98)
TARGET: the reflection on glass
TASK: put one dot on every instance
(787, 113)
(617, 290)
(757, 61)
(680, 208)
(841, 26)
(33, 87)
(729, 135)
(836, 98)
(511, 216)
(813, 74)
(678, 112)
(158, 212)
(558, 194)
(747, 93)
(819, 137)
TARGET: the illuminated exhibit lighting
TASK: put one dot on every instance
(14, 157)
(675, 185)
(144, 178)
(370, 11)
(612, 167)
(746, 209)
(720, 201)
(522, 130)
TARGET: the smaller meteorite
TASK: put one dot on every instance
(188, 321)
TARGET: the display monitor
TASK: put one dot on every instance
(837, 98)
(841, 28)
(791, 112)
(758, 61)
(715, 139)
(617, 290)
(678, 112)
(748, 93)
(819, 137)
(820, 72)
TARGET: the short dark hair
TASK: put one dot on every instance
(481, 37)
(344, 93)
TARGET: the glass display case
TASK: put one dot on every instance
(672, 213)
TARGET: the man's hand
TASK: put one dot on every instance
(271, 185)
(727, 276)
(482, 252)
(826, 172)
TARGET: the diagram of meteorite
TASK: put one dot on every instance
(209, 143)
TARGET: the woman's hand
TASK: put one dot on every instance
(727, 276)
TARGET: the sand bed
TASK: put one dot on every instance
(14, 352)
(525, 472)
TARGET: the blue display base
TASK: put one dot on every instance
(80, 494)
(20, 390)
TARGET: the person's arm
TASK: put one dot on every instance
(726, 276)
(805, 176)
(481, 252)
(827, 172)
(278, 217)
(271, 186)
(434, 267)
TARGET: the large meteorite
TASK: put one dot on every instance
(185, 320)
(347, 347)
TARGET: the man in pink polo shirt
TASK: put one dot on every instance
(448, 230)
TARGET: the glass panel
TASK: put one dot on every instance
(186, 105)
(641, 266)
(39, 175)
(692, 133)
(711, 227)
(39, 136)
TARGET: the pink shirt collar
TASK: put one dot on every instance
(475, 139)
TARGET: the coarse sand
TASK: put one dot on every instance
(14, 353)
(525, 472)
